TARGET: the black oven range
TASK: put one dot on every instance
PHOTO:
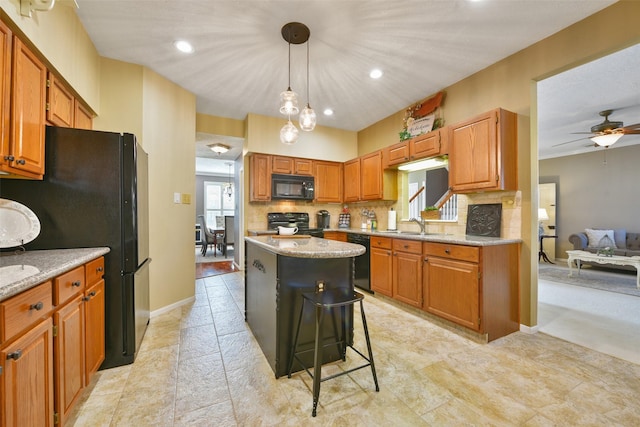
(293, 219)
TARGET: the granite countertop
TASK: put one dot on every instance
(307, 247)
(23, 270)
(433, 237)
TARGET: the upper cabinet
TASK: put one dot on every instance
(328, 181)
(352, 180)
(398, 153)
(429, 144)
(291, 165)
(260, 178)
(5, 91)
(23, 152)
(365, 179)
(483, 153)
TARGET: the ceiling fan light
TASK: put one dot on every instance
(289, 133)
(219, 148)
(307, 119)
(289, 103)
(607, 140)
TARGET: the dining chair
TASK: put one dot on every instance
(228, 233)
(209, 237)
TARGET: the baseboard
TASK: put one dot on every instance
(173, 306)
(529, 329)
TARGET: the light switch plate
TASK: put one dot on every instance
(176, 197)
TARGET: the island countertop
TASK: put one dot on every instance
(307, 247)
(23, 270)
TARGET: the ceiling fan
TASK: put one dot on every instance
(608, 132)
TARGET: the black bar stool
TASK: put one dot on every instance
(323, 300)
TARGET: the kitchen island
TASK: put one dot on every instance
(278, 270)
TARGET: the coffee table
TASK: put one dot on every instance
(580, 256)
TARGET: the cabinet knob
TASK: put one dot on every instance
(447, 251)
(99, 269)
(9, 158)
(76, 284)
(15, 355)
(37, 306)
(21, 162)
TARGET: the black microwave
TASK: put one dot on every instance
(291, 187)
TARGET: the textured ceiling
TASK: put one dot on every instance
(240, 60)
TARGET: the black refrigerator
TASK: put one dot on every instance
(94, 193)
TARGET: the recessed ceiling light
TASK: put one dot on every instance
(375, 73)
(328, 112)
(183, 46)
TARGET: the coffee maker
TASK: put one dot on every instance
(324, 219)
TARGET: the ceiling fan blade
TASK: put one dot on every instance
(632, 132)
(581, 133)
(569, 142)
(631, 127)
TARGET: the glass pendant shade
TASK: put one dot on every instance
(307, 119)
(289, 102)
(607, 139)
(289, 133)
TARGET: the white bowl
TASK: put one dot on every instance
(287, 231)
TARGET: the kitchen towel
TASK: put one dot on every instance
(391, 224)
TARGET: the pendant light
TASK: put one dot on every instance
(307, 116)
(228, 189)
(288, 98)
(289, 133)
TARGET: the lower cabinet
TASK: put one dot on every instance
(26, 383)
(476, 287)
(407, 271)
(335, 235)
(51, 343)
(381, 263)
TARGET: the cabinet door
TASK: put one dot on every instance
(260, 178)
(371, 173)
(328, 179)
(94, 329)
(5, 89)
(398, 153)
(83, 119)
(70, 349)
(27, 378)
(303, 167)
(352, 180)
(381, 269)
(451, 291)
(281, 164)
(29, 92)
(427, 145)
(60, 103)
(407, 278)
(335, 235)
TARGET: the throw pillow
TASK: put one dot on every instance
(600, 238)
(620, 236)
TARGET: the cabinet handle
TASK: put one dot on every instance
(15, 355)
(88, 297)
(447, 251)
(37, 306)
(9, 158)
(21, 162)
(76, 284)
(99, 269)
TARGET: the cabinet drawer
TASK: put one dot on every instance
(445, 250)
(411, 246)
(94, 271)
(21, 311)
(67, 285)
(380, 242)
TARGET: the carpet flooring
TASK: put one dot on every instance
(605, 280)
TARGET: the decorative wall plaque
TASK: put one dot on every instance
(484, 220)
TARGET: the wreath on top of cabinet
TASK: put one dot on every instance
(422, 117)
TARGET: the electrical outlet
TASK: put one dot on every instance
(319, 286)
(176, 197)
(186, 198)
(508, 202)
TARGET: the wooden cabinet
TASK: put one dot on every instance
(51, 343)
(63, 108)
(291, 165)
(23, 152)
(26, 383)
(365, 179)
(381, 263)
(476, 287)
(5, 90)
(335, 235)
(328, 181)
(434, 143)
(94, 317)
(260, 178)
(352, 180)
(82, 116)
(483, 153)
(398, 153)
(407, 271)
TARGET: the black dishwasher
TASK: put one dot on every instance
(362, 262)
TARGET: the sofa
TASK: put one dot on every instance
(622, 242)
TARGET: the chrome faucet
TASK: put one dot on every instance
(420, 223)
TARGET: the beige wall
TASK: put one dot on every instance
(592, 194)
(510, 84)
(61, 38)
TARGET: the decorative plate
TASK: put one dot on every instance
(18, 224)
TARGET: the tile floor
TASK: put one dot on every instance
(199, 365)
